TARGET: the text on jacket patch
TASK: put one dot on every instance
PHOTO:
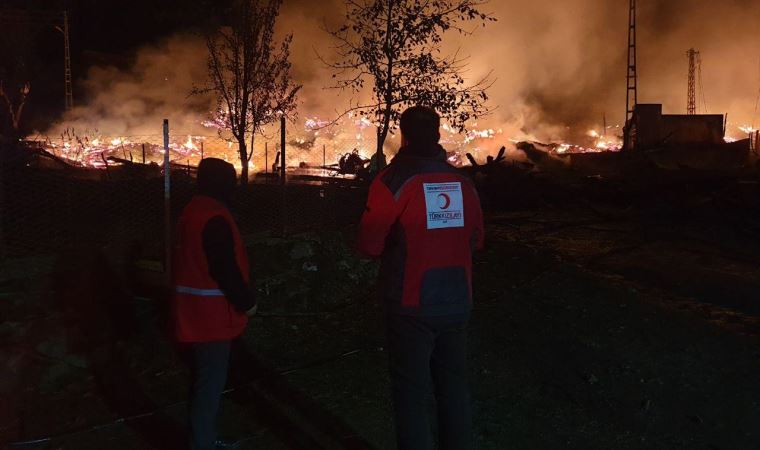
(444, 205)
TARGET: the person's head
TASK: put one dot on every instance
(419, 127)
(216, 178)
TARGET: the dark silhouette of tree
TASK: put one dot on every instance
(18, 64)
(250, 73)
(394, 46)
(15, 103)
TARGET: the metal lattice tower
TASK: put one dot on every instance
(632, 77)
(67, 63)
(691, 106)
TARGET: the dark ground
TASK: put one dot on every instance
(596, 327)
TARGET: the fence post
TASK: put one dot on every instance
(201, 151)
(3, 210)
(283, 204)
(250, 157)
(282, 150)
(143, 153)
(266, 157)
(167, 207)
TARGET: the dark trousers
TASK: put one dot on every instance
(210, 361)
(428, 355)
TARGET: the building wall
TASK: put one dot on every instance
(697, 129)
(653, 129)
(648, 120)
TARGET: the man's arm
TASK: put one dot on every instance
(378, 218)
(219, 247)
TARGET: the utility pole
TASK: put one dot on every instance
(67, 63)
(632, 97)
(167, 207)
(283, 184)
(691, 105)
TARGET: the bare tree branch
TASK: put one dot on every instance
(15, 111)
(394, 46)
(250, 73)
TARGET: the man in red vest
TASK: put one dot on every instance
(424, 220)
(212, 294)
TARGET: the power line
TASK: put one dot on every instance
(24, 17)
(701, 86)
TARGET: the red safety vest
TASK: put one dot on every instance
(200, 311)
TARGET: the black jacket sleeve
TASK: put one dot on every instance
(219, 247)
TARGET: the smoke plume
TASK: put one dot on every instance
(558, 67)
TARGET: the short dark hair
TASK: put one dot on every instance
(420, 124)
(216, 178)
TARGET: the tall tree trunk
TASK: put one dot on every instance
(253, 135)
(243, 160)
(14, 115)
(388, 94)
(17, 116)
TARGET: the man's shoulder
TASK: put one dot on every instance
(401, 170)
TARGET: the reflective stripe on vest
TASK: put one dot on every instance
(199, 292)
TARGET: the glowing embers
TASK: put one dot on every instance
(603, 143)
(599, 143)
(99, 151)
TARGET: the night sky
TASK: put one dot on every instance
(102, 33)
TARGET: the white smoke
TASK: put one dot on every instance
(558, 68)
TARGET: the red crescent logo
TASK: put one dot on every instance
(444, 201)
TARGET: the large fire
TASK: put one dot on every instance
(312, 142)
(317, 144)
(95, 150)
(538, 87)
(308, 144)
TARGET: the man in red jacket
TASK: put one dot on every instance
(212, 295)
(423, 219)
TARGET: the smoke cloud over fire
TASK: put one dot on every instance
(558, 70)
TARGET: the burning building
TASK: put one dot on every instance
(680, 140)
(650, 128)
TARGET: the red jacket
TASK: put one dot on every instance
(424, 220)
(200, 311)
